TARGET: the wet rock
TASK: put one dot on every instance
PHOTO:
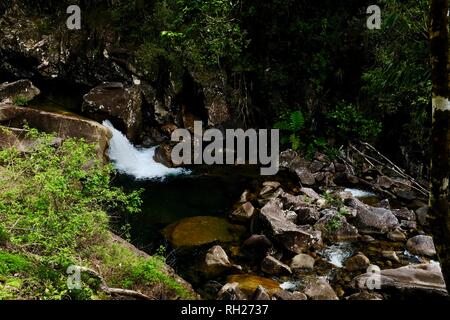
(372, 220)
(243, 213)
(163, 154)
(396, 235)
(425, 278)
(257, 246)
(197, 231)
(335, 227)
(272, 266)
(249, 283)
(67, 126)
(261, 294)
(319, 289)
(358, 262)
(216, 262)
(286, 295)
(21, 89)
(302, 262)
(365, 295)
(231, 291)
(390, 255)
(421, 245)
(288, 234)
(404, 214)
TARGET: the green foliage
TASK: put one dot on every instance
(292, 123)
(12, 263)
(333, 200)
(334, 223)
(21, 101)
(54, 199)
(352, 124)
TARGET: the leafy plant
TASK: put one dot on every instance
(21, 101)
(291, 123)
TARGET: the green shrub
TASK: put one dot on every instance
(291, 123)
(21, 101)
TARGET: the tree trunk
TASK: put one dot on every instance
(440, 135)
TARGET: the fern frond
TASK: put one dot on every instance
(297, 121)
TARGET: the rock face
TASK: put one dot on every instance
(335, 227)
(19, 89)
(373, 220)
(65, 126)
(197, 231)
(422, 277)
(272, 266)
(421, 245)
(120, 104)
(292, 237)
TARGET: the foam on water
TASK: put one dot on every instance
(357, 193)
(136, 162)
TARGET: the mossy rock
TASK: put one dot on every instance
(197, 231)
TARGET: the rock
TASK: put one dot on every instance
(365, 295)
(257, 246)
(272, 184)
(396, 235)
(425, 278)
(249, 283)
(390, 255)
(310, 193)
(245, 196)
(404, 194)
(335, 227)
(385, 204)
(272, 266)
(66, 125)
(307, 215)
(319, 289)
(422, 215)
(305, 176)
(120, 104)
(366, 238)
(404, 214)
(316, 166)
(372, 220)
(269, 192)
(301, 262)
(216, 261)
(291, 216)
(231, 291)
(288, 234)
(286, 295)
(411, 225)
(261, 294)
(197, 231)
(421, 245)
(385, 182)
(163, 154)
(21, 89)
(243, 213)
(358, 262)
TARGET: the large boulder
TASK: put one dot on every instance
(293, 237)
(425, 278)
(372, 220)
(63, 125)
(21, 89)
(421, 245)
(120, 104)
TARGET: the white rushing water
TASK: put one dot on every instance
(357, 193)
(136, 162)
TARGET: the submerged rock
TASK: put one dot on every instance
(197, 231)
(287, 233)
(249, 283)
(421, 245)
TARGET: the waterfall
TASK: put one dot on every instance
(136, 162)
